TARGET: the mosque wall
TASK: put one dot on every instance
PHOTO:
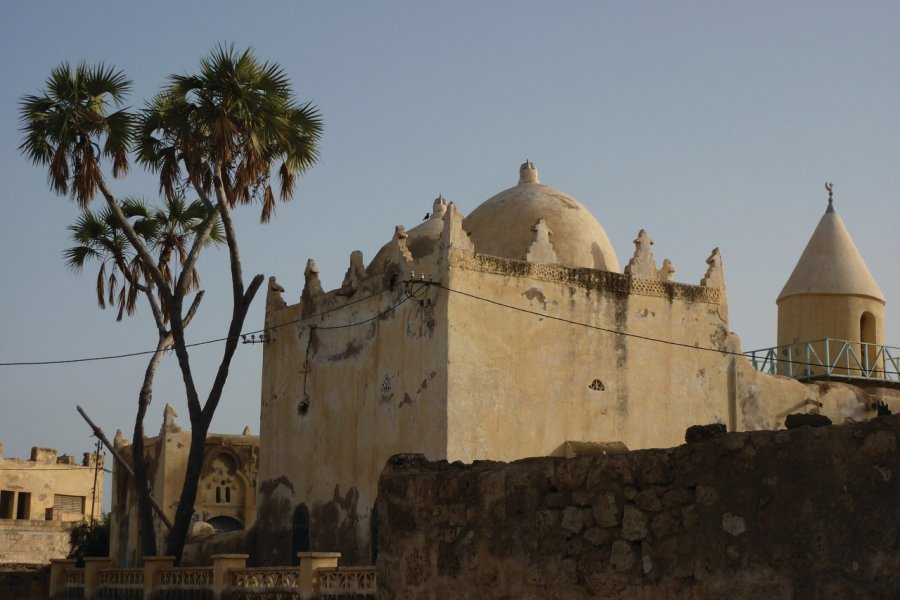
(341, 393)
(440, 349)
(548, 367)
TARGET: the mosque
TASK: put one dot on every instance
(515, 332)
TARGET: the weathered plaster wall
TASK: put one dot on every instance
(46, 475)
(804, 513)
(523, 383)
(346, 383)
(33, 542)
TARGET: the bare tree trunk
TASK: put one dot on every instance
(141, 485)
(201, 422)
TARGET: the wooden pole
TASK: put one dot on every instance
(99, 433)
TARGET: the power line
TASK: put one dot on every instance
(206, 342)
(625, 333)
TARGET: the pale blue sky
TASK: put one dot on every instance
(707, 123)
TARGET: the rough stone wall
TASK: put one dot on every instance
(801, 513)
(33, 542)
(24, 582)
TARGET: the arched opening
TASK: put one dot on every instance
(300, 532)
(224, 523)
(867, 336)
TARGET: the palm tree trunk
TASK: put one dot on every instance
(200, 424)
(141, 485)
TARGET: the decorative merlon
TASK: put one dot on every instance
(312, 286)
(356, 272)
(643, 264)
(715, 276)
(541, 250)
(274, 298)
(169, 425)
(119, 439)
(400, 253)
(454, 236)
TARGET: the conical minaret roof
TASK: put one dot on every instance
(831, 264)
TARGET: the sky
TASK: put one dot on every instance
(709, 124)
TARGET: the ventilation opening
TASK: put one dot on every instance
(597, 385)
(867, 336)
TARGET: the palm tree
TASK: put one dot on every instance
(167, 230)
(220, 133)
(68, 129)
(228, 126)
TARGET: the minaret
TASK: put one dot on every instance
(831, 293)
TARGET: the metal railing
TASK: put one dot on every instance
(830, 359)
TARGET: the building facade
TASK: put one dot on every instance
(509, 333)
(41, 498)
(226, 494)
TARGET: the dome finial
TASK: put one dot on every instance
(829, 187)
(528, 173)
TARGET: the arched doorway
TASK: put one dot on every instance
(300, 531)
(225, 524)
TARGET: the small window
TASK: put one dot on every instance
(23, 506)
(63, 503)
(218, 495)
(228, 495)
(6, 504)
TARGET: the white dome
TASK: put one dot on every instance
(502, 226)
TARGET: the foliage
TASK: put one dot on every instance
(218, 135)
(89, 540)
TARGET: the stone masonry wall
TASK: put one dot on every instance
(33, 542)
(802, 513)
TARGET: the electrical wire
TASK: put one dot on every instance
(628, 334)
(194, 344)
(410, 294)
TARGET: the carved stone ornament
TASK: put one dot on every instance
(355, 273)
(312, 286)
(454, 236)
(715, 276)
(274, 298)
(643, 265)
(541, 250)
(400, 253)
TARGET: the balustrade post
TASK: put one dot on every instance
(92, 566)
(223, 565)
(310, 562)
(152, 567)
(58, 568)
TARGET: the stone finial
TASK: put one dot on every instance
(168, 424)
(438, 208)
(355, 273)
(666, 272)
(715, 276)
(119, 440)
(312, 286)
(400, 253)
(247, 431)
(454, 236)
(274, 298)
(528, 173)
(541, 250)
(642, 264)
